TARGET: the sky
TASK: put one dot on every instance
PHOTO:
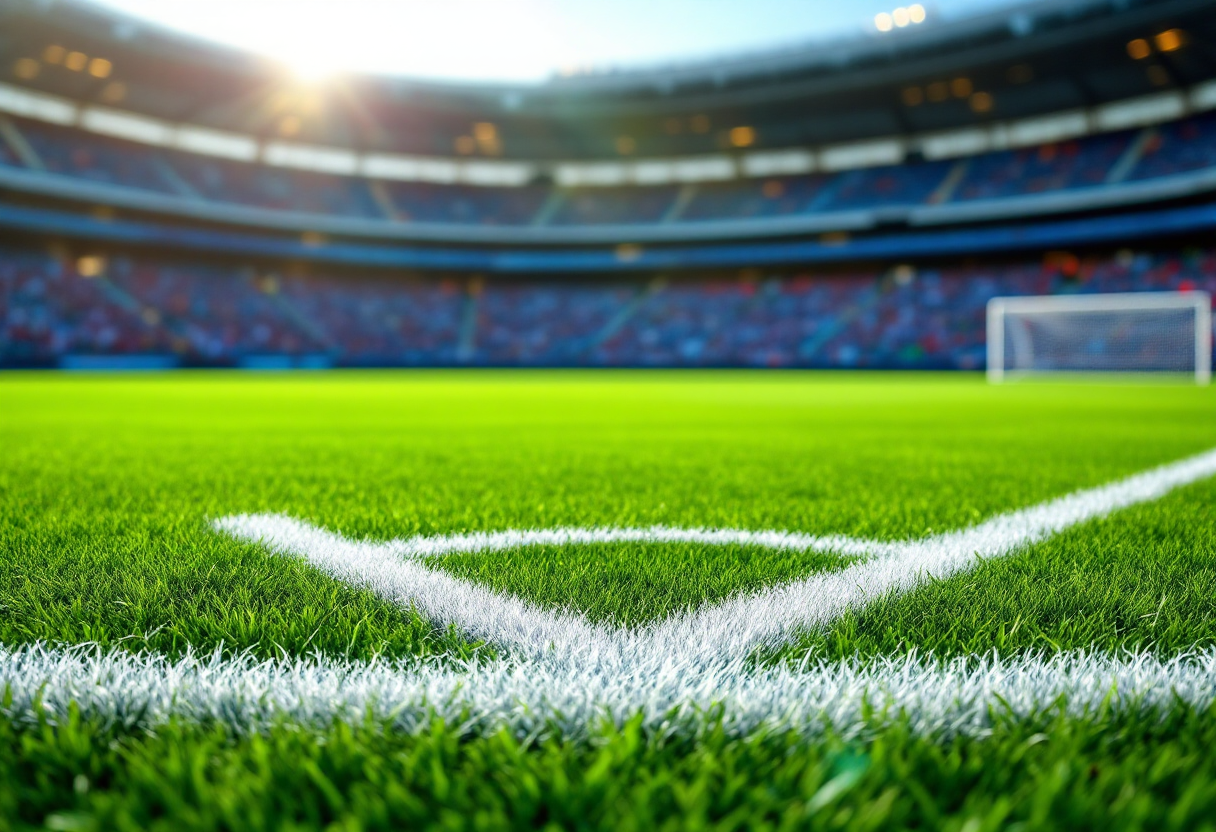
(516, 40)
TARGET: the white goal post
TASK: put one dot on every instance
(1134, 332)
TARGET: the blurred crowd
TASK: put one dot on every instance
(54, 309)
(1094, 161)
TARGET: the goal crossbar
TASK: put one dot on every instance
(1000, 309)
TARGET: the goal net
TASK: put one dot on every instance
(1139, 332)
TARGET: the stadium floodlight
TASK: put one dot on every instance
(1135, 332)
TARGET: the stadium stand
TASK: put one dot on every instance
(1048, 167)
(463, 204)
(617, 206)
(72, 152)
(910, 184)
(1173, 148)
(778, 196)
(1180, 147)
(900, 317)
(851, 207)
(265, 187)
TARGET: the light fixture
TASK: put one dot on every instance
(742, 136)
(76, 61)
(100, 68)
(1169, 40)
(900, 18)
(26, 68)
(90, 266)
(54, 54)
(486, 135)
(1139, 49)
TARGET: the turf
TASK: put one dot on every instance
(1143, 580)
(630, 584)
(1054, 774)
(107, 483)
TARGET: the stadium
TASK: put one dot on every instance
(817, 436)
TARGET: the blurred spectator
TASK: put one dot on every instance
(217, 315)
(1178, 147)
(1083, 163)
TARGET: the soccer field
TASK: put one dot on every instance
(243, 601)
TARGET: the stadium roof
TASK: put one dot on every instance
(1036, 58)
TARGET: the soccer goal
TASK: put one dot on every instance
(1136, 332)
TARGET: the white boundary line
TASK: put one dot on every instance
(735, 627)
(532, 698)
(565, 673)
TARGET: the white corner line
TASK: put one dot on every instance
(396, 571)
(562, 673)
(963, 696)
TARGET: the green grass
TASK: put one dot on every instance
(107, 483)
(1054, 774)
(630, 584)
(1142, 580)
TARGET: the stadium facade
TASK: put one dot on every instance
(168, 202)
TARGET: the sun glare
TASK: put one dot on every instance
(462, 39)
(310, 69)
(492, 40)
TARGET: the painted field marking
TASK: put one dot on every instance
(566, 674)
(397, 571)
(529, 698)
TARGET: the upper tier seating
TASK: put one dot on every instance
(747, 198)
(1052, 167)
(598, 206)
(421, 201)
(1179, 147)
(268, 187)
(1090, 162)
